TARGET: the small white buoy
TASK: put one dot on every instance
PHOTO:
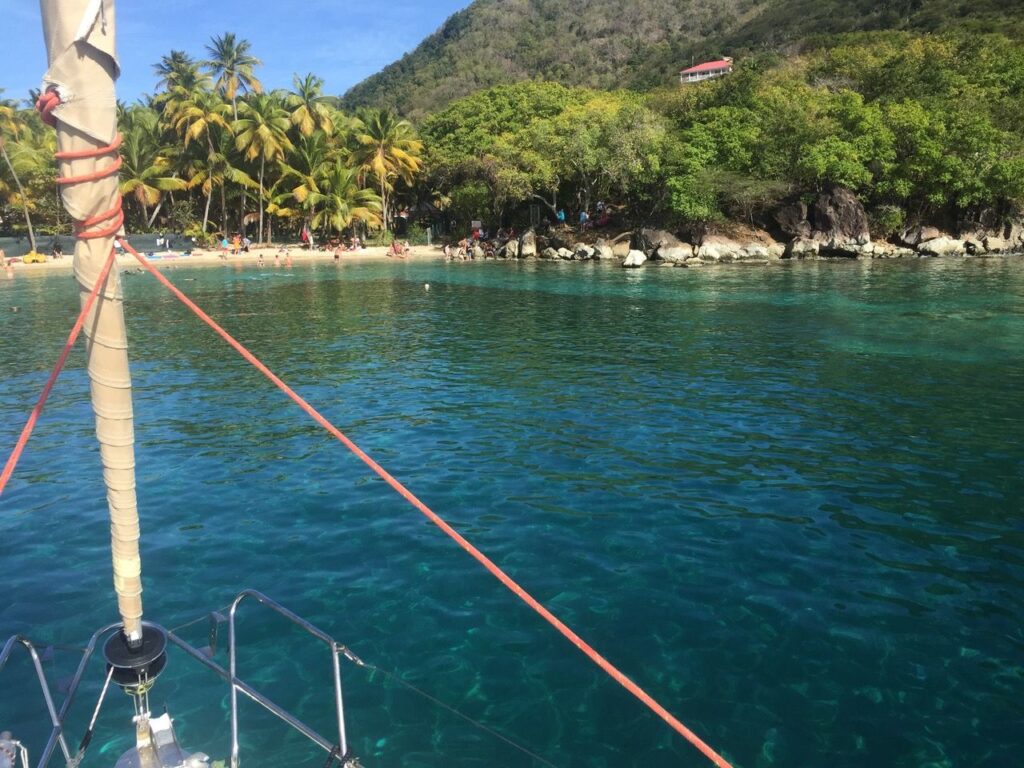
(426, 286)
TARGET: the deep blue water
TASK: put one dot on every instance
(787, 501)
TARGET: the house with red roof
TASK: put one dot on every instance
(706, 71)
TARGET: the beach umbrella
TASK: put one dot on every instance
(80, 81)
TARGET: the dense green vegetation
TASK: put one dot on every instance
(921, 127)
(211, 152)
(925, 124)
(641, 44)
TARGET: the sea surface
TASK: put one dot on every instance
(787, 501)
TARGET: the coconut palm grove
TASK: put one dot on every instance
(212, 152)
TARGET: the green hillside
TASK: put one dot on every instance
(608, 44)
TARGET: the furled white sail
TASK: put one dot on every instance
(82, 68)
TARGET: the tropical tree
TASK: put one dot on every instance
(233, 68)
(198, 116)
(309, 108)
(341, 200)
(178, 70)
(10, 128)
(386, 148)
(146, 171)
(261, 133)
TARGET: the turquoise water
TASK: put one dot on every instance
(786, 501)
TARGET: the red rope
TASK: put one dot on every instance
(46, 104)
(84, 230)
(26, 432)
(479, 556)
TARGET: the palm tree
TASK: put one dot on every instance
(388, 149)
(342, 201)
(233, 67)
(262, 133)
(197, 117)
(310, 111)
(9, 127)
(178, 70)
(145, 173)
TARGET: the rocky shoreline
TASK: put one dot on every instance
(834, 226)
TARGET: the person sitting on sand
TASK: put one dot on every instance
(58, 250)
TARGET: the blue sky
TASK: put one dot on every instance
(340, 40)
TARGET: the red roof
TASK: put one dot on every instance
(709, 66)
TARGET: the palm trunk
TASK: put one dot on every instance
(241, 210)
(206, 212)
(156, 212)
(384, 204)
(263, 162)
(224, 207)
(21, 194)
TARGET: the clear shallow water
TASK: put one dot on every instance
(786, 501)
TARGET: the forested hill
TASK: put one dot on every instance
(637, 43)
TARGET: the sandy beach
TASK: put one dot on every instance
(207, 258)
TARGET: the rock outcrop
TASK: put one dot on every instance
(678, 254)
(941, 246)
(603, 251)
(528, 244)
(835, 220)
(635, 259)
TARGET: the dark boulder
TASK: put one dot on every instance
(792, 221)
(914, 236)
(838, 216)
(650, 240)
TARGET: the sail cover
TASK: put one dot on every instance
(83, 66)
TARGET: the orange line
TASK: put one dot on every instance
(26, 432)
(479, 556)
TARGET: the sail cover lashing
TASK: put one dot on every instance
(80, 45)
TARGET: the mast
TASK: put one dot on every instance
(80, 45)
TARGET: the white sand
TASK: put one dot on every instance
(202, 258)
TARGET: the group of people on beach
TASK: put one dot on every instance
(236, 245)
(337, 245)
(479, 243)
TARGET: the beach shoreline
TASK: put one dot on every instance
(212, 258)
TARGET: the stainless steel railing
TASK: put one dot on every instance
(336, 749)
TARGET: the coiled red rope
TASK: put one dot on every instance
(46, 104)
